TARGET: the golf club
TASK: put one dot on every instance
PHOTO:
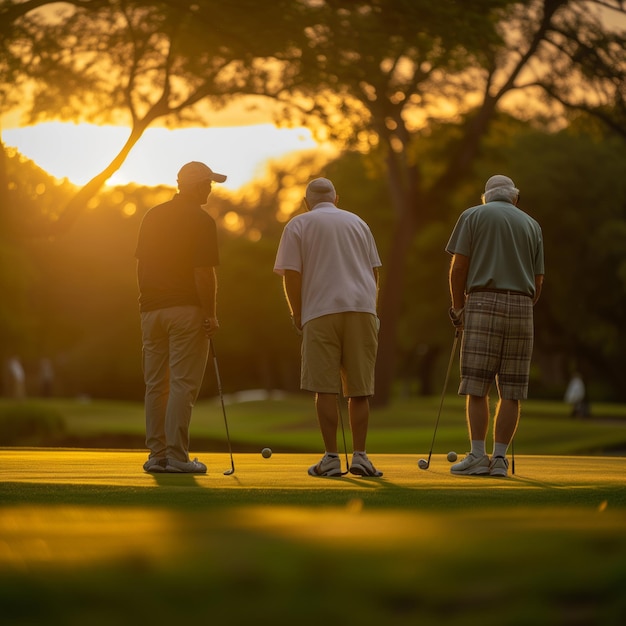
(219, 390)
(343, 432)
(513, 455)
(422, 464)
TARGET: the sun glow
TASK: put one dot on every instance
(78, 152)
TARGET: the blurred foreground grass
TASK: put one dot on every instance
(87, 537)
(490, 569)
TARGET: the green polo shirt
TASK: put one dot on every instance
(504, 245)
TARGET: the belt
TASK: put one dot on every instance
(508, 292)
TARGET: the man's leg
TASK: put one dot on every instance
(506, 420)
(476, 463)
(156, 378)
(477, 409)
(358, 407)
(360, 346)
(359, 411)
(514, 373)
(505, 424)
(189, 349)
(328, 418)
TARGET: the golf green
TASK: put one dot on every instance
(94, 496)
(89, 534)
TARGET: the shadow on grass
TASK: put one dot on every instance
(187, 491)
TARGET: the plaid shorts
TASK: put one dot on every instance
(496, 344)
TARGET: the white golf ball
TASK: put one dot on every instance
(452, 457)
(422, 464)
(266, 453)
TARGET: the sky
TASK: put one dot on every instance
(80, 151)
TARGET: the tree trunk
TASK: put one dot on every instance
(4, 193)
(392, 293)
(79, 202)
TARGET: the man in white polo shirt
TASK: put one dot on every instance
(329, 263)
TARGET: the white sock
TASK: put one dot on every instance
(478, 448)
(361, 452)
(499, 449)
(332, 454)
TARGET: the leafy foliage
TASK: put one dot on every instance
(30, 424)
(419, 86)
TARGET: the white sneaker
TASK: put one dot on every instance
(471, 465)
(362, 466)
(499, 466)
(328, 466)
(180, 467)
(154, 465)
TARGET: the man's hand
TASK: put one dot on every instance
(210, 326)
(456, 317)
(297, 324)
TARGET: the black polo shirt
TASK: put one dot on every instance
(174, 238)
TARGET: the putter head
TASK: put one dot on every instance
(229, 472)
(423, 464)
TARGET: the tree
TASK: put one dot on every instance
(74, 296)
(377, 74)
(380, 73)
(573, 182)
(137, 62)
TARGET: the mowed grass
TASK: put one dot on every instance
(87, 537)
(287, 423)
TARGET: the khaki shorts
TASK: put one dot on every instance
(341, 346)
(497, 345)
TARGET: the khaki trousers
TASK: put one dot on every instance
(175, 352)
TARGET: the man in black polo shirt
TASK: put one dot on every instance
(177, 254)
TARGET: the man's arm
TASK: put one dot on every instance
(459, 268)
(206, 286)
(377, 279)
(538, 287)
(292, 283)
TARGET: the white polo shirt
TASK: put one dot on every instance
(335, 252)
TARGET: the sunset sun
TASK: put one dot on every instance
(80, 151)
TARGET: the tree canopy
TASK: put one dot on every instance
(384, 77)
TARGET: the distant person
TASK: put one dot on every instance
(496, 276)
(177, 255)
(329, 263)
(17, 378)
(46, 377)
(576, 395)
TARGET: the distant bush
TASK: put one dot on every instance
(26, 424)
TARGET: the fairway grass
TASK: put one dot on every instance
(87, 537)
(288, 423)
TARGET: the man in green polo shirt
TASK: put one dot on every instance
(496, 276)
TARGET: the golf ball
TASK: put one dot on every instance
(266, 453)
(452, 457)
(422, 464)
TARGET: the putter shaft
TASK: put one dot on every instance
(219, 390)
(443, 393)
